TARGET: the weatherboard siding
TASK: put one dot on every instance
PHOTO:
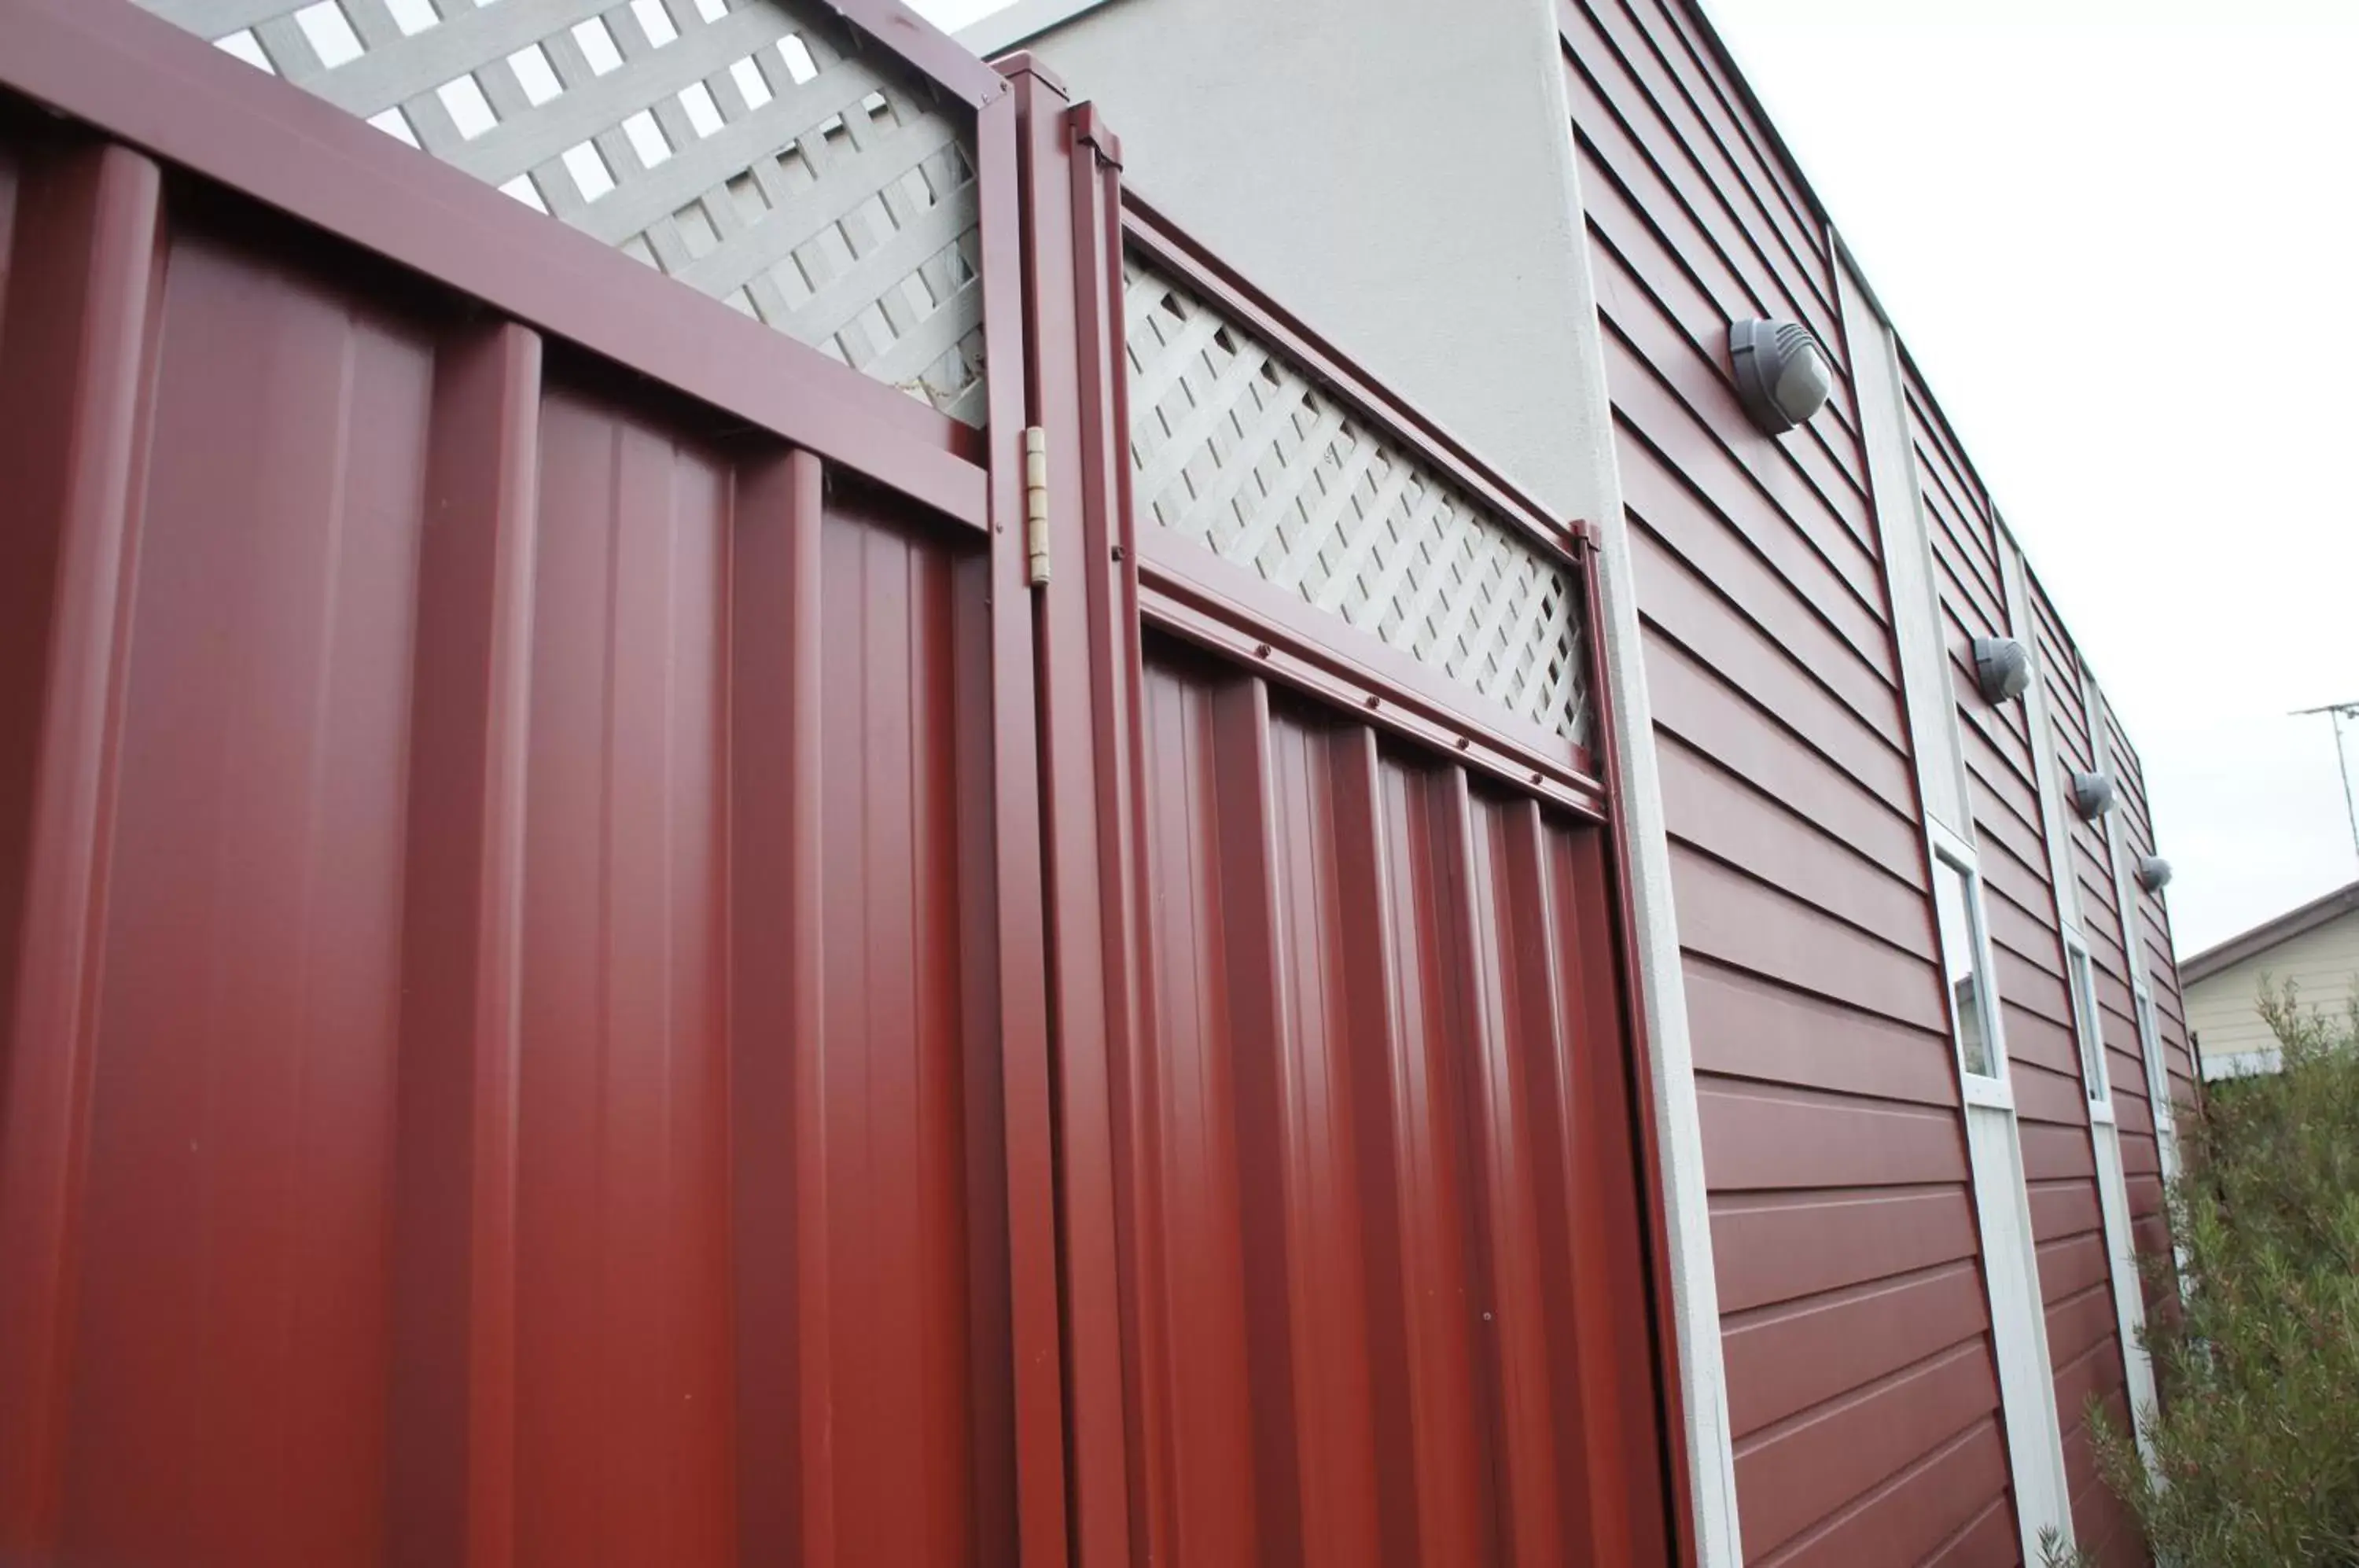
(1863, 1398)
(2113, 928)
(2224, 1010)
(2084, 1341)
(2150, 927)
(2086, 741)
(2149, 1210)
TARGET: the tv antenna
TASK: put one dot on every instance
(2340, 712)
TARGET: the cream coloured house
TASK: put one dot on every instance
(2315, 948)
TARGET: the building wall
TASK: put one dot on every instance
(2143, 1162)
(2027, 949)
(2152, 926)
(2222, 1009)
(1862, 1399)
(2085, 741)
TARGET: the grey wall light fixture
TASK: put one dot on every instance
(2154, 873)
(2093, 795)
(2002, 668)
(1782, 374)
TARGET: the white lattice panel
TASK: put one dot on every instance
(749, 149)
(1230, 445)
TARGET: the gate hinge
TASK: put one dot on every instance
(1036, 505)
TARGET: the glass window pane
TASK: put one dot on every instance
(1959, 947)
(2151, 1042)
(2084, 1010)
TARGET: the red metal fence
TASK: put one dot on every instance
(543, 828)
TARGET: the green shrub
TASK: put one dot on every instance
(2256, 1444)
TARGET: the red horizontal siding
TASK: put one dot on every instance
(1704, 704)
(1855, 1332)
(1782, 1247)
(1798, 1473)
(1770, 1138)
(1745, 1026)
(1964, 1479)
(1780, 1358)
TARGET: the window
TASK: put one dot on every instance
(1961, 946)
(2086, 1021)
(2158, 1071)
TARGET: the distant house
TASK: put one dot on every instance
(2316, 947)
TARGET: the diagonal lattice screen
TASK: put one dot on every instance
(749, 149)
(1233, 446)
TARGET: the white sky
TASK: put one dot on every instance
(2122, 239)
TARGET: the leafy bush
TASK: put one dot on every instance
(2257, 1440)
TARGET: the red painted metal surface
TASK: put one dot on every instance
(537, 865)
(1385, 1240)
(1357, 1262)
(519, 970)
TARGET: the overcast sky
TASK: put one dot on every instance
(2122, 239)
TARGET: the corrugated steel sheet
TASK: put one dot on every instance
(528, 959)
(504, 1053)
(1379, 1144)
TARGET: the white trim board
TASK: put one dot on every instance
(1694, 1307)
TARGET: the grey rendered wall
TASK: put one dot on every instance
(1226, 108)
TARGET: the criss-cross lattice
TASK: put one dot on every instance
(1232, 446)
(749, 149)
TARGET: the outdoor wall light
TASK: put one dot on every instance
(1782, 374)
(2002, 668)
(2154, 873)
(2093, 795)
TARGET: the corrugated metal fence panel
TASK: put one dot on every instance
(503, 1060)
(1379, 1157)
(1861, 1384)
(2043, 1051)
(1353, 1248)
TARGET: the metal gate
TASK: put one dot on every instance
(1357, 1263)
(594, 972)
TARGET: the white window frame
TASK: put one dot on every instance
(2160, 1109)
(2088, 1025)
(2159, 1104)
(1994, 1088)
(2149, 1029)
